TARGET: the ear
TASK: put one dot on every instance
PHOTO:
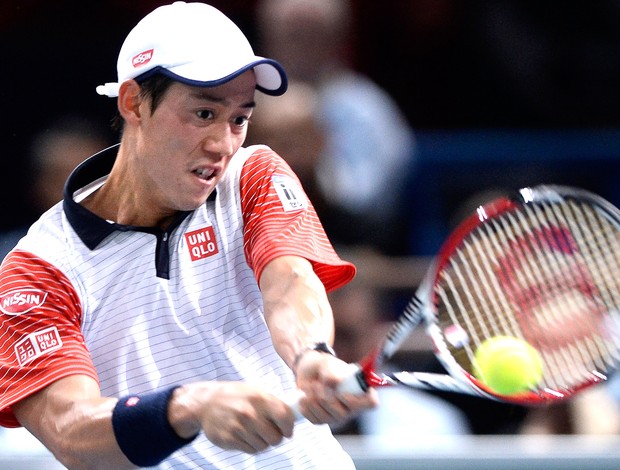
(129, 101)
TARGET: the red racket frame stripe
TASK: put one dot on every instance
(421, 305)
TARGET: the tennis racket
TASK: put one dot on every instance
(542, 266)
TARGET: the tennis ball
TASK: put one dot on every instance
(508, 365)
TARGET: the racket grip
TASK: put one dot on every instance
(293, 402)
(355, 383)
(294, 406)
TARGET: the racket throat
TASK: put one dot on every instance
(369, 377)
(372, 379)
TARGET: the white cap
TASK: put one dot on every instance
(195, 44)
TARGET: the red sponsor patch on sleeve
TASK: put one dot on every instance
(36, 344)
(20, 301)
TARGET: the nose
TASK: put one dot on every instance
(219, 139)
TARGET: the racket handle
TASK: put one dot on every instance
(355, 383)
(293, 402)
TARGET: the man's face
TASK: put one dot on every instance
(186, 144)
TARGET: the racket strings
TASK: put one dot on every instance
(597, 271)
(603, 262)
(577, 355)
(545, 267)
(552, 301)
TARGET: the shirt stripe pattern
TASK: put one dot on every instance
(24, 365)
(205, 322)
(272, 231)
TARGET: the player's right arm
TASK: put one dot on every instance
(73, 420)
(48, 384)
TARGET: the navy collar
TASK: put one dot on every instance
(91, 228)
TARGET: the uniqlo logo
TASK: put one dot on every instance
(142, 58)
(201, 243)
(38, 343)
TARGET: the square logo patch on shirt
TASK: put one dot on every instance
(37, 344)
(290, 193)
(201, 243)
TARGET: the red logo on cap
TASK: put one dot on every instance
(142, 58)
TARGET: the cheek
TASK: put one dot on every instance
(224, 170)
(227, 162)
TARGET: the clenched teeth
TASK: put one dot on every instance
(204, 173)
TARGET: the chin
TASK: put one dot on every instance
(193, 205)
(190, 207)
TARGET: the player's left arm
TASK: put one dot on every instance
(296, 307)
(299, 316)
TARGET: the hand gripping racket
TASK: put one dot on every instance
(542, 266)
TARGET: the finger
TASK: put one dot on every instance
(254, 441)
(248, 435)
(232, 441)
(270, 433)
(274, 421)
(244, 446)
(325, 411)
(282, 416)
(355, 403)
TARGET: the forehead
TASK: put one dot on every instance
(241, 88)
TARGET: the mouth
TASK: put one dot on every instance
(206, 174)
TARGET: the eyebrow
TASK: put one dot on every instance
(205, 95)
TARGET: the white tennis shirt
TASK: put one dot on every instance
(140, 309)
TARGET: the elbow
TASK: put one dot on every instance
(70, 451)
(69, 456)
(72, 461)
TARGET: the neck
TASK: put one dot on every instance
(123, 200)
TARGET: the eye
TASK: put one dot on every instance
(241, 121)
(204, 114)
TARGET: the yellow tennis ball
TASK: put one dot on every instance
(508, 365)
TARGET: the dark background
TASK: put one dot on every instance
(474, 78)
(500, 93)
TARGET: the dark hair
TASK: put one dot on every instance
(153, 87)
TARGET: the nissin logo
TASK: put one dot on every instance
(142, 58)
(20, 301)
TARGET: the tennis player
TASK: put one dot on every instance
(169, 308)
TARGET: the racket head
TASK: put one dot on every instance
(544, 267)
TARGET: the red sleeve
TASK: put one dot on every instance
(40, 336)
(280, 220)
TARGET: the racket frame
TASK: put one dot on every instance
(420, 309)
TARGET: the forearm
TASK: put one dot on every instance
(78, 431)
(299, 315)
(86, 431)
(86, 440)
(297, 310)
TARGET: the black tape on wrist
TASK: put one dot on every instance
(142, 429)
(321, 347)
